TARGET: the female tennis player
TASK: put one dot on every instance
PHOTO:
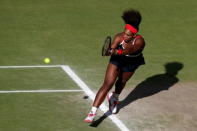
(126, 56)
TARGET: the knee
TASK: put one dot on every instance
(124, 81)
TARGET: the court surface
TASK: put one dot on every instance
(27, 99)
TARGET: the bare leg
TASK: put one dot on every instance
(110, 78)
(121, 82)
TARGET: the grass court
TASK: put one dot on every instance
(71, 32)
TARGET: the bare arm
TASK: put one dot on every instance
(130, 49)
(116, 41)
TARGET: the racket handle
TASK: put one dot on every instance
(110, 51)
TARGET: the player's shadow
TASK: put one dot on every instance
(150, 86)
(103, 117)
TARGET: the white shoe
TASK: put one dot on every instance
(90, 118)
(113, 101)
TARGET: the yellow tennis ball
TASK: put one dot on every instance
(46, 60)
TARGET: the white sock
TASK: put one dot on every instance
(93, 110)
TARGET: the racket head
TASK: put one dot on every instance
(106, 45)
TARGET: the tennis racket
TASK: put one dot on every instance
(106, 46)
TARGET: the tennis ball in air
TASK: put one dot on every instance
(47, 60)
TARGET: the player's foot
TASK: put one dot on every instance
(113, 101)
(90, 118)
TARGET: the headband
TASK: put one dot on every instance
(131, 28)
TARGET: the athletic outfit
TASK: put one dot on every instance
(128, 63)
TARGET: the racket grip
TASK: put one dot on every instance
(111, 51)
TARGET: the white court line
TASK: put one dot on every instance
(39, 91)
(36, 66)
(91, 94)
(82, 85)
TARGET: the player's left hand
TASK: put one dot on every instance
(110, 52)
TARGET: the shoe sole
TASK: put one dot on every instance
(88, 121)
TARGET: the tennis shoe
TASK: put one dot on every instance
(90, 118)
(113, 102)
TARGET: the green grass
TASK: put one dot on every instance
(43, 111)
(48, 111)
(35, 78)
(71, 32)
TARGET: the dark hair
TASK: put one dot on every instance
(132, 17)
